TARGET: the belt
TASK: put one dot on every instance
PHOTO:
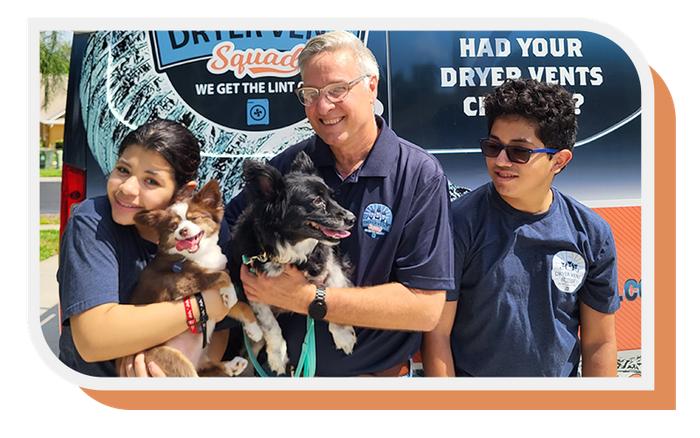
(396, 371)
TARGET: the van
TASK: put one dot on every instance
(235, 91)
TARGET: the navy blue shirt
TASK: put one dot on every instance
(520, 279)
(403, 234)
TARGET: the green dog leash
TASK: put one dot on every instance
(307, 358)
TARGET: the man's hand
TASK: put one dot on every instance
(290, 290)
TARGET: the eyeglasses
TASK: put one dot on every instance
(516, 154)
(309, 96)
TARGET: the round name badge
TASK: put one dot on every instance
(568, 271)
(376, 220)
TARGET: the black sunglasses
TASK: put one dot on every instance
(516, 154)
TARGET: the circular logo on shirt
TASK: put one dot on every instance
(376, 220)
(568, 271)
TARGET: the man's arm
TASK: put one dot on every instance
(390, 306)
(436, 350)
(598, 343)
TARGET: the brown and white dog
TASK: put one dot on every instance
(189, 260)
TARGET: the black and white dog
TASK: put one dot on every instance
(291, 219)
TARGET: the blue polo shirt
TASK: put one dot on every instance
(403, 234)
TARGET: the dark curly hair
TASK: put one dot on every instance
(551, 106)
(173, 141)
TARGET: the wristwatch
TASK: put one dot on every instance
(317, 308)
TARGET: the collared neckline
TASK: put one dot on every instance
(379, 160)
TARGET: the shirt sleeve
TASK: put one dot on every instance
(425, 256)
(459, 255)
(599, 291)
(88, 274)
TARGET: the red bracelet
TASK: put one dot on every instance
(190, 315)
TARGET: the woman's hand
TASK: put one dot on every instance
(135, 366)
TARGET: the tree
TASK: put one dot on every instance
(54, 60)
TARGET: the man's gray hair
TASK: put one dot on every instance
(340, 40)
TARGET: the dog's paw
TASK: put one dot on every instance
(343, 336)
(236, 366)
(228, 294)
(277, 356)
(253, 331)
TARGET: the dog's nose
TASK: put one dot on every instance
(183, 232)
(350, 219)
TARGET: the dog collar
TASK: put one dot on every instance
(262, 258)
(249, 262)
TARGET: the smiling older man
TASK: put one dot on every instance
(401, 247)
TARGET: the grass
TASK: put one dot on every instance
(49, 219)
(48, 239)
(49, 172)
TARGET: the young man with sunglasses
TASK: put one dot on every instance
(532, 265)
(401, 246)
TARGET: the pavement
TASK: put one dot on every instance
(48, 302)
(48, 286)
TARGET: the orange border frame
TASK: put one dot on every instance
(663, 396)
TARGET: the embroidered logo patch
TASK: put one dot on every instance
(568, 271)
(376, 220)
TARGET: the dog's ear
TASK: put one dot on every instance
(150, 218)
(209, 195)
(263, 182)
(184, 192)
(302, 163)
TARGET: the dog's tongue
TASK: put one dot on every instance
(341, 234)
(184, 244)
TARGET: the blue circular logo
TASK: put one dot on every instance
(376, 220)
